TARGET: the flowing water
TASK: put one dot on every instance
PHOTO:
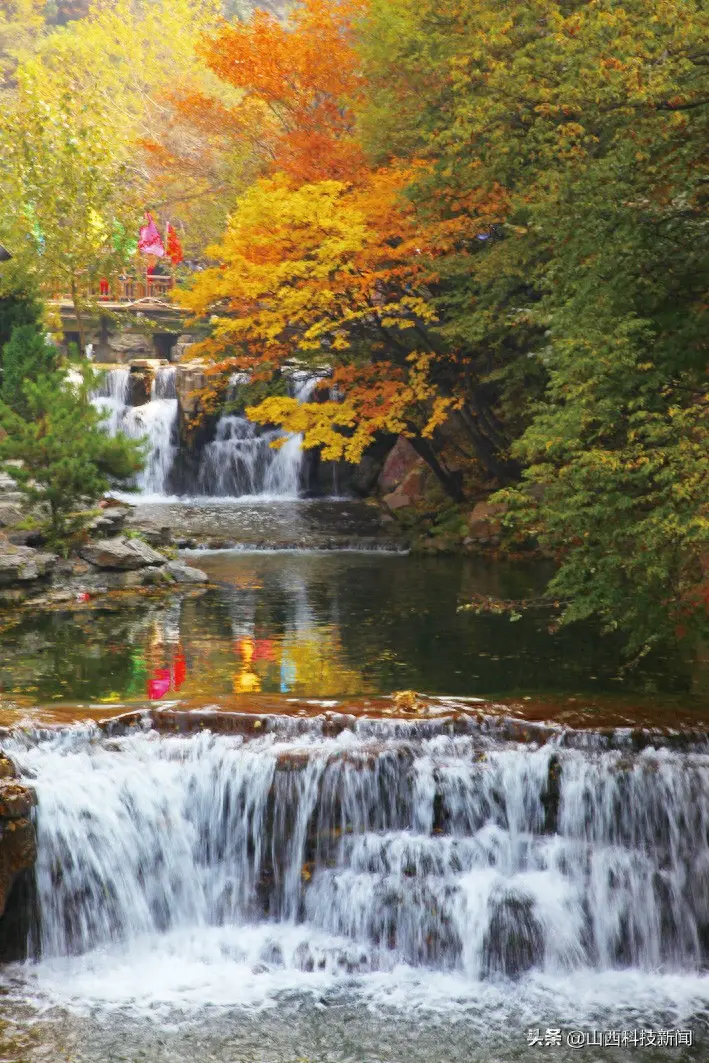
(155, 421)
(243, 872)
(348, 888)
(241, 460)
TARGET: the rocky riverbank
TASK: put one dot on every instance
(111, 557)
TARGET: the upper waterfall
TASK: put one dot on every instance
(239, 461)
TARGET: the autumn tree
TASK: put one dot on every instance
(66, 177)
(21, 24)
(135, 54)
(326, 261)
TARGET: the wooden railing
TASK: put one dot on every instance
(121, 289)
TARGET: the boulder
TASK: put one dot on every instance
(400, 461)
(396, 500)
(120, 554)
(412, 488)
(190, 377)
(154, 535)
(21, 564)
(514, 942)
(16, 800)
(185, 574)
(9, 494)
(140, 385)
(10, 514)
(111, 521)
(123, 347)
(183, 344)
(484, 520)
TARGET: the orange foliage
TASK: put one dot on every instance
(300, 83)
(324, 260)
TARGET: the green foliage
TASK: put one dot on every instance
(27, 356)
(59, 455)
(17, 307)
(590, 121)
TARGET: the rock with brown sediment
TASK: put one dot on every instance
(18, 842)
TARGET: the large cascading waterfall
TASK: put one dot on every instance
(239, 461)
(329, 847)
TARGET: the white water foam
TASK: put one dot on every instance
(240, 463)
(243, 461)
(215, 870)
(155, 420)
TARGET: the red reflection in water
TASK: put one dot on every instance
(159, 683)
(264, 650)
(164, 679)
(179, 670)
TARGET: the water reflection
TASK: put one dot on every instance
(319, 625)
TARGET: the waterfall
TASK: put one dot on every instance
(156, 420)
(385, 846)
(239, 461)
(112, 398)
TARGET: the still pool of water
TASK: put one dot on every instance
(320, 625)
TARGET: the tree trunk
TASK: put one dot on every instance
(451, 482)
(79, 318)
(486, 451)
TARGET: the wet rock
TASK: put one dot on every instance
(514, 942)
(139, 385)
(272, 954)
(20, 564)
(7, 768)
(18, 843)
(120, 553)
(18, 852)
(16, 800)
(186, 574)
(303, 958)
(189, 379)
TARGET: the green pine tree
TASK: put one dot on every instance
(27, 356)
(65, 460)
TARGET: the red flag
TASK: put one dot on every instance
(174, 248)
(150, 242)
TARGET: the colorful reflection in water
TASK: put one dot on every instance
(319, 625)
